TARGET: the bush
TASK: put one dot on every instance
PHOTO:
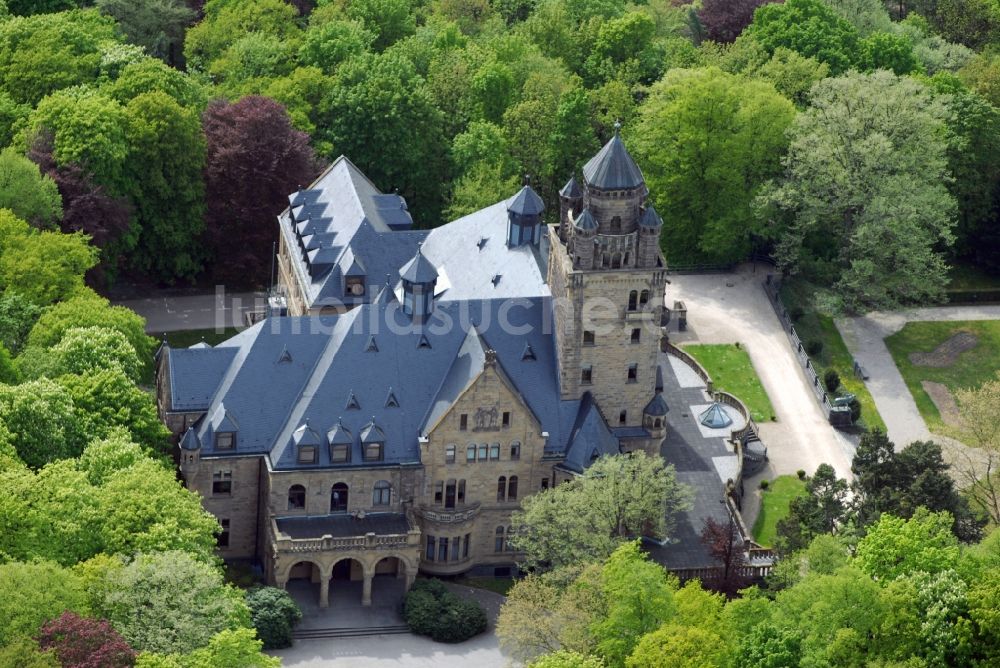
(855, 409)
(814, 347)
(274, 613)
(764, 484)
(431, 610)
(801, 473)
(832, 380)
(796, 313)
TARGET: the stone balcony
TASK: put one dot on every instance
(442, 515)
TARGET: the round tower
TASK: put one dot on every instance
(584, 231)
(570, 206)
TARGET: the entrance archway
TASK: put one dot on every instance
(305, 578)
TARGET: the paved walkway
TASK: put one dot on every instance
(207, 311)
(865, 339)
(725, 308)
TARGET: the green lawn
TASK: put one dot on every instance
(497, 585)
(731, 370)
(190, 337)
(971, 368)
(774, 507)
(814, 326)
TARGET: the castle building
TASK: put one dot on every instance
(424, 382)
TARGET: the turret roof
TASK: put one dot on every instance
(418, 270)
(613, 168)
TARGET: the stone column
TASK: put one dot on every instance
(411, 575)
(280, 583)
(324, 590)
(366, 591)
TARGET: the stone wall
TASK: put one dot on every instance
(240, 507)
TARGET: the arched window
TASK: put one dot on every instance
(502, 488)
(470, 453)
(382, 493)
(616, 261)
(605, 260)
(296, 497)
(657, 423)
(625, 261)
(643, 297)
(449, 494)
(461, 491)
(499, 542)
(510, 534)
(512, 488)
(338, 498)
(616, 225)
(449, 454)
(632, 297)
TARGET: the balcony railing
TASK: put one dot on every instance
(442, 515)
(371, 541)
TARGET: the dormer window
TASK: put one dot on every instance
(340, 453)
(307, 454)
(373, 452)
(355, 285)
(225, 440)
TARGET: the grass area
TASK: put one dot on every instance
(971, 368)
(496, 585)
(814, 326)
(190, 337)
(731, 370)
(774, 506)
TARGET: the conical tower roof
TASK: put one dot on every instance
(418, 270)
(613, 168)
(572, 189)
(526, 203)
(585, 221)
(715, 417)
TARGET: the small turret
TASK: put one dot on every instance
(584, 231)
(654, 415)
(190, 453)
(650, 225)
(570, 205)
(419, 278)
(524, 217)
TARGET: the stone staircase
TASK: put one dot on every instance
(309, 634)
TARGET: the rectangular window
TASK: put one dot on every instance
(449, 454)
(456, 547)
(636, 335)
(494, 452)
(465, 546)
(307, 454)
(461, 491)
(222, 483)
(622, 417)
(515, 450)
(633, 373)
(438, 492)
(431, 542)
(449, 494)
(373, 452)
(442, 549)
(586, 375)
(588, 338)
(223, 538)
(470, 453)
(482, 452)
(498, 541)
(224, 440)
(463, 421)
(506, 418)
(545, 483)
(340, 453)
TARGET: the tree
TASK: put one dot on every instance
(85, 350)
(85, 643)
(639, 597)
(274, 613)
(894, 547)
(102, 458)
(725, 545)
(389, 20)
(26, 192)
(25, 653)
(381, 101)
(821, 510)
(980, 469)
(328, 44)
(768, 646)
(588, 517)
(40, 417)
(148, 75)
(12, 115)
(708, 141)
(166, 156)
(168, 602)
(42, 54)
(679, 646)
(17, 316)
(809, 27)
(227, 649)
(227, 20)
(724, 20)
(32, 594)
(106, 399)
(91, 310)
(840, 212)
(254, 160)
(566, 659)
(156, 25)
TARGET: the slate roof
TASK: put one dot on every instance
(418, 270)
(343, 525)
(589, 437)
(613, 168)
(572, 189)
(585, 221)
(526, 203)
(650, 218)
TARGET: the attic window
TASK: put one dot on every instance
(423, 343)
(352, 402)
(224, 440)
(307, 454)
(285, 356)
(372, 347)
(529, 353)
(391, 401)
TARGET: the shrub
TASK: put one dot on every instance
(832, 380)
(796, 313)
(85, 643)
(431, 610)
(801, 473)
(855, 409)
(814, 347)
(764, 484)
(274, 613)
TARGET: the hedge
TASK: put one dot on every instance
(431, 610)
